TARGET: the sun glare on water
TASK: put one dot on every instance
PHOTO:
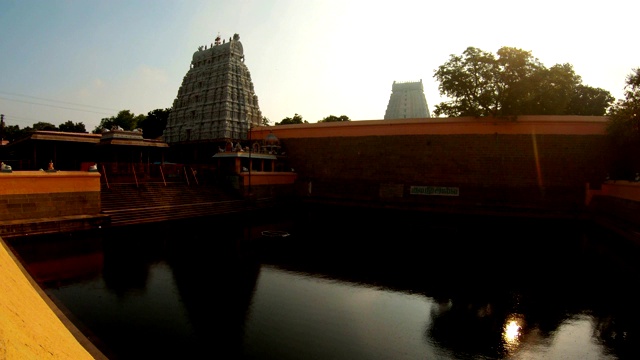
(511, 334)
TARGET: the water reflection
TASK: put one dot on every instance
(370, 287)
(295, 316)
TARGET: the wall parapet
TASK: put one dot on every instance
(527, 124)
(33, 202)
(621, 189)
(44, 182)
(616, 205)
(628, 190)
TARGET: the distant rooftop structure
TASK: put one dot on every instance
(407, 101)
(216, 101)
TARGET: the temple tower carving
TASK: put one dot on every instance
(216, 101)
(407, 101)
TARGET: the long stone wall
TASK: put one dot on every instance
(530, 162)
(617, 201)
(35, 202)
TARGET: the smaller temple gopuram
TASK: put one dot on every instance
(407, 101)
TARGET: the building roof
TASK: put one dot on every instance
(130, 138)
(59, 136)
(112, 137)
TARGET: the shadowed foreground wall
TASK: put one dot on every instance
(540, 162)
(31, 326)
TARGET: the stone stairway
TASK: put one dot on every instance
(129, 204)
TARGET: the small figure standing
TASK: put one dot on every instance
(50, 165)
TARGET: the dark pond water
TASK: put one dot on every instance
(347, 284)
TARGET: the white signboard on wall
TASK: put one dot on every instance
(434, 190)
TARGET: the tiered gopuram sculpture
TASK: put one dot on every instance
(216, 101)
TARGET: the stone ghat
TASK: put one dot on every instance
(31, 326)
(129, 204)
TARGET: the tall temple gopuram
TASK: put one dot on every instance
(216, 101)
(407, 101)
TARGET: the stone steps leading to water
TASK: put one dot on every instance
(175, 212)
(148, 195)
(129, 204)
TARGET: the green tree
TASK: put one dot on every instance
(587, 100)
(553, 89)
(470, 81)
(69, 126)
(624, 129)
(514, 77)
(333, 118)
(296, 119)
(125, 120)
(154, 123)
(513, 83)
(13, 132)
(44, 126)
(265, 121)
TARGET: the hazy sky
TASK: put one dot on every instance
(84, 60)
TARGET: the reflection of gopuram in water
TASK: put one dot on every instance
(214, 277)
(216, 282)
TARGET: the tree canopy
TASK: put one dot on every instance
(154, 123)
(296, 119)
(624, 128)
(13, 132)
(333, 118)
(44, 126)
(125, 120)
(513, 83)
(69, 126)
(624, 114)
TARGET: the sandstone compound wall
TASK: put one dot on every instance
(540, 162)
(35, 202)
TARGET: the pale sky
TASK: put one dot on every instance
(84, 60)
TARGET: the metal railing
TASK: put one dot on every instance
(163, 179)
(186, 177)
(134, 175)
(193, 172)
(139, 174)
(104, 173)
